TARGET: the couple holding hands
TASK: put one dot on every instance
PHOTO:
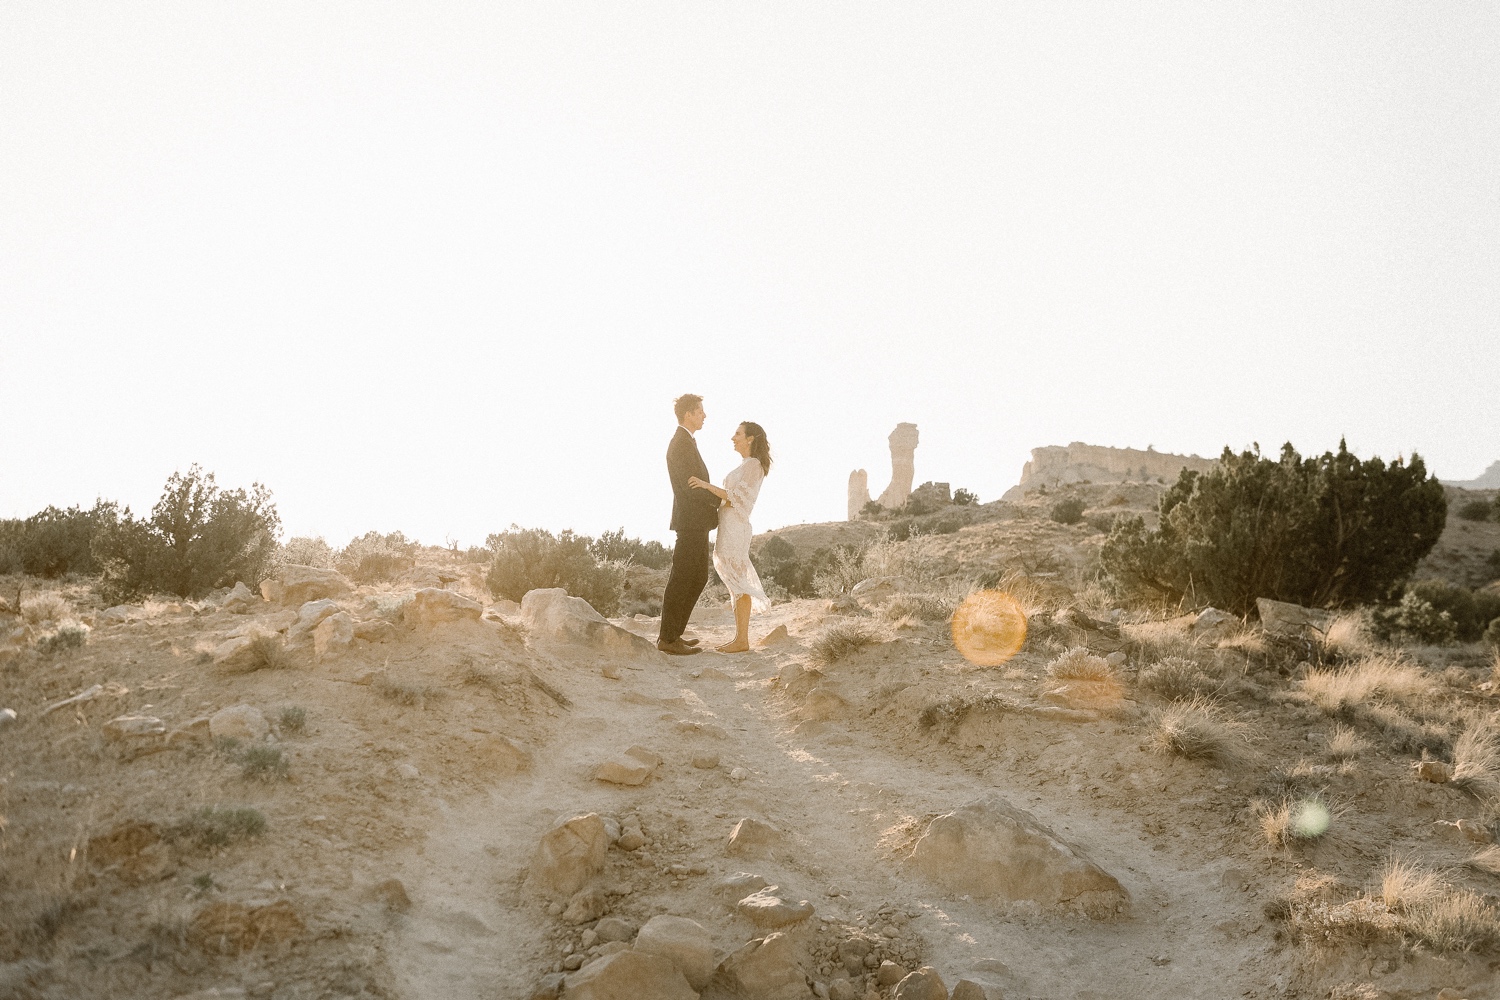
(698, 507)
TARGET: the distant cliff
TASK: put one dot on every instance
(1055, 465)
(1488, 480)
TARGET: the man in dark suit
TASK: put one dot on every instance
(694, 514)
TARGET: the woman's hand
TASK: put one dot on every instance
(699, 484)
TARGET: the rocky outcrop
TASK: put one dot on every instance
(296, 585)
(1055, 466)
(1489, 479)
(903, 442)
(432, 606)
(992, 849)
(552, 614)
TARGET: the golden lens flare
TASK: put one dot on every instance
(989, 628)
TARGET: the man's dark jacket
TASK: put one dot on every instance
(692, 510)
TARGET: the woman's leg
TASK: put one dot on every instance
(741, 641)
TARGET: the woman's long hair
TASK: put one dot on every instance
(760, 448)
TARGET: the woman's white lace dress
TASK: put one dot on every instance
(732, 544)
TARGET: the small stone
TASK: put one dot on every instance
(842, 989)
(238, 722)
(1475, 831)
(740, 884)
(7, 717)
(610, 671)
(751, 836)
(408, 771)
(738, 774)
(614, 929)
(706, 762)
(586, 905)
(133, 727)
(632, 839)
(192, 731)
(775, 637)
(968, 989)
(924, 984)
(333, 636)
(633, 767)
(554, 909)
(1436, 771)
(240, 600)
(392, 893)
(571, 853)
(766, 909)
(573, 961)
(890, 974)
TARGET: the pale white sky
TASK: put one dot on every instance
(440, 267)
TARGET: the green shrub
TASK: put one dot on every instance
(293, 719)
(1470, 610)
(67, 635)
(53, 542)
(531, 558)
(613, 546)
(373, 557)
(1325, 531)
(964, 498)
(199, 537)
(1416, 620)
(1476, 510)
(216, 827)
(263, 763)
(777, 563)
(1068, 510)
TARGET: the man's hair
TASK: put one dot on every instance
(685, 404)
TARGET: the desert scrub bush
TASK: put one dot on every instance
(263, 763)
(376, 558)
(931, 608)
(1476, 759)
(1328, 531)
(1476, 510)
(841, 640)
(615, 547)
(841, 571)
(951, 711)
(304, 551)
(1079, 664)
(1433, 911)
(267, 651)
(1068, 510)
(1177, 677)
(216, 826)
(292, 720)
(1349, 635)
(407, 693)
(198, 538)
(49, 606)
(1198, 729)
(526, 559)
(54, 542)
(1372, 679)
(68, 635)
(965, 498)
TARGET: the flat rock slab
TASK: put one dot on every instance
(751, 836)
(633, 767)
(991, 849)
(555, 616)
(432, 606)
(767, 910)
(238, 722)
(296, 585)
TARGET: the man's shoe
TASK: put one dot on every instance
(676, 647)
(690, 642)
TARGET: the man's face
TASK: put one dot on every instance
(693, 420)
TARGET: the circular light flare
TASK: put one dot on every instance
(1310, 819)
(989, 628)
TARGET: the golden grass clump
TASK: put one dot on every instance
(1198, 729)
(932, 608)
(405, 692)
(1345, 745)
(1159, 640)
(1078, 664)
(1291, 821)
(1177, 677)
(1476, 759)
(1371, 679)
(1349, 636)
(843, 639)
(49, 606)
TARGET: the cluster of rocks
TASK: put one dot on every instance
(137, 735)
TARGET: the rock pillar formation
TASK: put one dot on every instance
(903, 442)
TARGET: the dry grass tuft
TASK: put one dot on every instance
(1178, 677)
(406, 692)
(1371, 679)
(216, 826)
(1080, 665)
(49, 606)
(1487, 860)
(951, 711)
(1345, 745)
(1349, 637)
(1476, 759)
(268, 652)
(930, 608)
(1292, 821)
(292, 720)
(1198, 729)
(1406, 886)
(1457, 921)
(843, 639)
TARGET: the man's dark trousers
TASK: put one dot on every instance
(694, 514)
(686, 582)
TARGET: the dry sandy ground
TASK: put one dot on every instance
(399, 774)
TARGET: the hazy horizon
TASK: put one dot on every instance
(440, 269)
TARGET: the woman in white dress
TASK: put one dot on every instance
(732, 544)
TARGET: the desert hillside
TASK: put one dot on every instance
(409, 788)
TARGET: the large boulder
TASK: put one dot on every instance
(239, 600)
(434, 606)
(1281, 618)
(765, 909)
(552, 614)
(333, 635)
(296, 585)
(309, 617)
(629, 975)
(682, 942)
(238, 722)
(768, 968)
(992, 849)
(570, 854)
